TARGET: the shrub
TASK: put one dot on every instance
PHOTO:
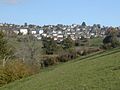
(63, 57)
(67, 55)
(106, 46)
(68, 43)
(14, 70)
(49, 60)
(111, 40)
(49, 45)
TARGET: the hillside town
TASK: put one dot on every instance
(57, 32)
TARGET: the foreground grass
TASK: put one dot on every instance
(99, 72)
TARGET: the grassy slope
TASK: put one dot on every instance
(99, 72)
(96, 42)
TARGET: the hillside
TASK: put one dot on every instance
(98, 72)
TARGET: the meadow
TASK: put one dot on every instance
(99, 71)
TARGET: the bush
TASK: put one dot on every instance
(63, 57)
(86, 51)
(106, 46)
(14, 70)
(49, 60)
(67, 55)
(49, 46)
(111, 40)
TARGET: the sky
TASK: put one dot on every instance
(40, 12)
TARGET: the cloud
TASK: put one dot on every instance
(12, 1)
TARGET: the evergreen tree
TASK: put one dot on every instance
(83, 24)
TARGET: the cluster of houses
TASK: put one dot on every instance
(58, 32)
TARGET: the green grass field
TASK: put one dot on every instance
(95, 72)
(96, 42)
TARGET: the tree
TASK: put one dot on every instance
(83, 24)
(107, 39)
(68, 43)
(29, 49)
(111, 40)
(49, 45)
(25, 24)
(77, 42)
(98, 25)
(5, 50)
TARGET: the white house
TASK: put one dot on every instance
(72, 37)
(39, 38)
(68, 33)
(34, 32)
(92, 34)
(1, 24)
(35, 35)
(16, 31)
(55, 34)
(60, 36)
(54, 31)
(24, 31)
(68, 30)
(59, 32)
(44, 34)
(55, 38)
(41, 31)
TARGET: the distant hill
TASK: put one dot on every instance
(95, 72)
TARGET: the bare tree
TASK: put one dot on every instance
(29, 49)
